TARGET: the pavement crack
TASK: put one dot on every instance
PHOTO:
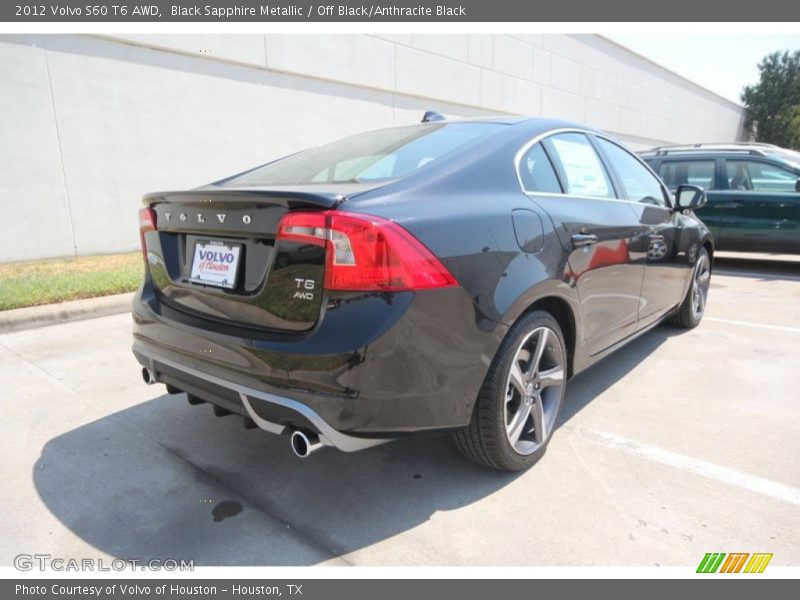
(27, 360)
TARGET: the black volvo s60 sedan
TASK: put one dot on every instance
(447, 277)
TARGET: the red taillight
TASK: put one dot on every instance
(147, 222)
(366, 253)
(305, 227)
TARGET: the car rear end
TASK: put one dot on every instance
(279, 306)
(270, 295)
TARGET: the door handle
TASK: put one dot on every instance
(583, 239)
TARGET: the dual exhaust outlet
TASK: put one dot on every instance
(303, 442)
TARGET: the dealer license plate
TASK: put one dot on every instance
(215, 263)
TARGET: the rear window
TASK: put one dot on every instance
(537, 173)
(585, 174)
(759, 176)
(384, 154)
(790, 156)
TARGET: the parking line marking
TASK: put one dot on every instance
(722, 272)
(757, 325)
(753, 483)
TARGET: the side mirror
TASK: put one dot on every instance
(690, 197)
(797, 186)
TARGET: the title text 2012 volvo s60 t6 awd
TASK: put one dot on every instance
(446, 277)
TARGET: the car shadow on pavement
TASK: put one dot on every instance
(592, 382)
(163, 479)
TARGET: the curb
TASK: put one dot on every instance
(75, 310)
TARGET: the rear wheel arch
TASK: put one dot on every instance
(551, 295)
(709, 246)
(564, 314)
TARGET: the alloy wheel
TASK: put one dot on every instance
(534, 390)
(700, 282)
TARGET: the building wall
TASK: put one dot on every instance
(88, 124)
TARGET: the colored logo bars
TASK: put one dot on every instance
(735, 562)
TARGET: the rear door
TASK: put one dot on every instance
(597, 231)
(761, 208)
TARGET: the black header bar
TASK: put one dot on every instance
(373, 589)
(417, 11)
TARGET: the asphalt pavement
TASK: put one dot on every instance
(681, 443)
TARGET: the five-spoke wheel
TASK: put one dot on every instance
(518, 405)
(533, 390)
(701, 278)
(691, 310)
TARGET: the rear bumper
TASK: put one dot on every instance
(260, 406)
(376, 366)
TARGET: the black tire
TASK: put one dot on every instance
(688, 315)
(485, 440)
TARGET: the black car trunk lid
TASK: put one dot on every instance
(268, 285)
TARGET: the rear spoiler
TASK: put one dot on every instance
(291, 198)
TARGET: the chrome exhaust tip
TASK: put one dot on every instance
(148, 376)
(304, 443)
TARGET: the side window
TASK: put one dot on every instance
(582, 168)
(759, 177)
(536, 172)
(694, 172)
(639, 184)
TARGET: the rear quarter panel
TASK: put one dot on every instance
(465, 218)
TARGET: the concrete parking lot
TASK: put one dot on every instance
(680, 444)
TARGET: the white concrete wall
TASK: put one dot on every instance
(89, 124)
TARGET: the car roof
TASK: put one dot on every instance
(773, 154)
(703, 153)
(717, 148)
(542, 123)
(523, 125)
